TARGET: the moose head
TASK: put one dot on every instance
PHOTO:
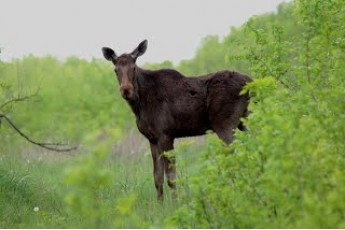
(125, 68)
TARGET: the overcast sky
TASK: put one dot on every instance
(174, 28)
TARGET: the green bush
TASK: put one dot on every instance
(287, 171)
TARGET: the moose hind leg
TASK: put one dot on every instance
(226, 135)
(225, 120)
(224, 128)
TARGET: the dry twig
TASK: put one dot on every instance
(43, 145)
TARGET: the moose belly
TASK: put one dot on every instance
(189, 132)
(191, 120)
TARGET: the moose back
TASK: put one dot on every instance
(168, 105)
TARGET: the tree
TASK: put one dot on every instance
(7, 103)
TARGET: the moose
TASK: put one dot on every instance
(168, 105)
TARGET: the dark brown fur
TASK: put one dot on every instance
(168, 105)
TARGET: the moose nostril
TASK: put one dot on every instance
(126, 91)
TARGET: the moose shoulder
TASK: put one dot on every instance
(168, 105)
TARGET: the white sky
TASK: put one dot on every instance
(174, 28)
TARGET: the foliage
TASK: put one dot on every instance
(288, 169)
(75, 99)
(87, 181)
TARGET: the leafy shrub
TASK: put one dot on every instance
(288, 169)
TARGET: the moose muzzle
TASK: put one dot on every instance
(127, 91)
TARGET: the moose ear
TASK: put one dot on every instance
(140, 50)
(108, 54)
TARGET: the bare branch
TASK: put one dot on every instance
(43, 145)
(18, 99)
(14, 100)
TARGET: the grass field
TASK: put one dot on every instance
(36, 180)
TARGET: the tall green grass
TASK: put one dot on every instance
(126, 200)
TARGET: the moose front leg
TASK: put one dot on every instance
(158, 169)
(170, 171)
(166, 144)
